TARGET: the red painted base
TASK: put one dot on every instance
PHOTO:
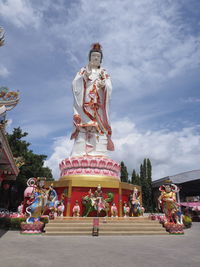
(73, 189)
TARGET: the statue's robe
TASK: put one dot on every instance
(92, 131)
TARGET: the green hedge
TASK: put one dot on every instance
(14, 223)
(11, 223)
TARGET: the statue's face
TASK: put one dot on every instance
(95, 59)
(168, 188)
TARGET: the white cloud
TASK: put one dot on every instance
(61, 149)
(20, 13)
(144, 42)
(4, 71)
(191, 100)
(169, 152)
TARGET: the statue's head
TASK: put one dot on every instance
(99, 187)
(96, 55)
(168, 186)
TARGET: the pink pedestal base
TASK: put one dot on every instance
(88, 165)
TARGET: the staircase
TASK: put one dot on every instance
(109, 226)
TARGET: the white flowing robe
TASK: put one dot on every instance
(91, 105)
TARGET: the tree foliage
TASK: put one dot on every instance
(33, 163)
(135, 178)
(124, 173)
(146, 183)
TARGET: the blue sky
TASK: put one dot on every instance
(152, 52)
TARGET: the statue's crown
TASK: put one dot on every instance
(96, 47)
(168, 182)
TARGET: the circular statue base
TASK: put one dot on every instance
(90, 165)
(82, 175)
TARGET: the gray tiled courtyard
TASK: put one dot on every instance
(27, 251)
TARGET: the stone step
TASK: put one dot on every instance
(115, 233)
(103, 221)
(111, 228)
(74, 233)
(53, 229)
(101, 218)
(108, 226)
(110, 233)
(102, 225)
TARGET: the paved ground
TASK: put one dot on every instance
(141, 251)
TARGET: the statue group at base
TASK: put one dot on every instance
(170, 207)
(96, 202)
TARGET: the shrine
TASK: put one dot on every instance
(89, 166)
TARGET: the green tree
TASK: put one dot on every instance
(124, 173)
(135, 178)
(146, 182)
(33, 163)
(149, 182)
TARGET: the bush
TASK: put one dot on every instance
(8, 223)
(15, 223)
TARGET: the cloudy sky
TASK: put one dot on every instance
(152, 52)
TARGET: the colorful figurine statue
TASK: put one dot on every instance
(76, 210)
(20, 209)
(168, 203)
(114, 210)
(60, 209)
(40, 200)
(126, 210)
(134, 201)
(92, 91)
(96, 202)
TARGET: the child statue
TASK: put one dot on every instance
(126, 210)
(60, 209)
(76, 210)
(114, 211)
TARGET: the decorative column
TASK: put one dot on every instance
(120, 201)
(69, 199)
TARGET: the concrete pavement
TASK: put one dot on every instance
(175, 251)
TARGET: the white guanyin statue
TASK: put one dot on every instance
(92, 91)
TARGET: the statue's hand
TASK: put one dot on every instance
(77, 119)
(88, 71)
(101, 83)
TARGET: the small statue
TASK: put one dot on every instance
(60, 209)
(98, 192)
(76, 210)
(126, 210)
(114, 211)
(134, 201)
(20, 209)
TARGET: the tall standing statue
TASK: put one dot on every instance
(168, 202)
(92, 91)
